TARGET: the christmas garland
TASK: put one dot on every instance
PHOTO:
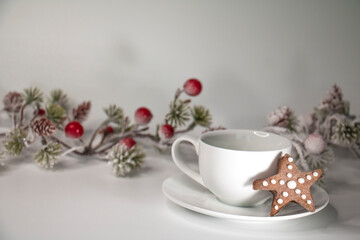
(53, 123)
(55, 126)
(313, 135)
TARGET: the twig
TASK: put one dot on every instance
(3, 134)
(22, 114)
(106, 148)
(301, 156)
(114, 141)
(34, 117)
(178, 93)
(143, 129)
(71, 150)
(14, 119)
(101, 142)
(64, 144)
(88, 147)
(44, 140)
(148, 135)
(189, 128)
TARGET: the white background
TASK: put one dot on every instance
(251, 56)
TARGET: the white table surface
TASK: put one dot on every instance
(81, 199)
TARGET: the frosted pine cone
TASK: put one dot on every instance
(306, 123)
(13, 102)
(81, 112)
(282, 117)
(43, 127)
(333, 100)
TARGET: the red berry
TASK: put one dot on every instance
(143, 116)
(74, 130)
(192, 87)
(166, 131)
(40, 112)
(128, 142)
(109, 130)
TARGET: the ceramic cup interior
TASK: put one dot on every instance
(245, 140)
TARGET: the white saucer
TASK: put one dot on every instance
(187, 193)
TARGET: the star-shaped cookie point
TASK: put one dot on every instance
(289, 185)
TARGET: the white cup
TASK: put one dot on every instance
(230, 160)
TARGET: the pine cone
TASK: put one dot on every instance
(13, 102)
(82, 111)
(280, 117)
(333, 100)
(43, 127)
(306, 123)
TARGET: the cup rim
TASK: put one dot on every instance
(257, 132)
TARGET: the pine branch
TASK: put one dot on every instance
(201, 116)
(320, 160)
(16, 142)
(47, 156)
(114, 114)
(179, 113)
(125, 161)
(57, 96)
(345, 134)
(32, 95)
(55, 113)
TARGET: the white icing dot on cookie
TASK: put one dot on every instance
(285, 194)
(290, 159)
(298, 191)
(273, 181)
(303, 196)
(315, 174)
(291, 184)
(280, 201)
(276, 207)
(301, 180)
(308, 201)
(265, 183)
(308, 177)
(289, 175)
(290, 167)
(282, 182)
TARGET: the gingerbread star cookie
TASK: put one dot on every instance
(289, 185)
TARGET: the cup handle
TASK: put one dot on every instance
(179, 161)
